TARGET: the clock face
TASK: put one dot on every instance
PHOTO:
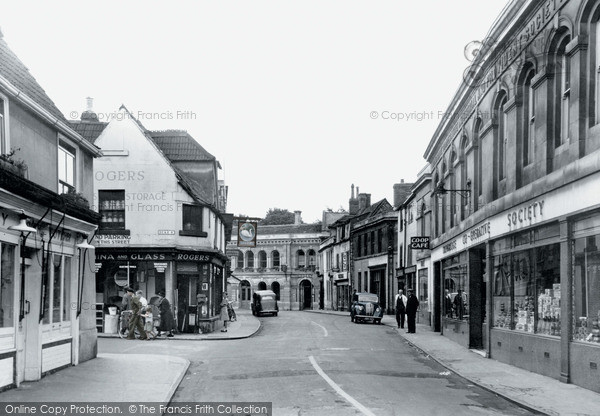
(247, 232)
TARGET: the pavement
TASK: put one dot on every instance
(530, 390)
(119, 377)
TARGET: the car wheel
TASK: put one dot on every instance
(351, 318)
(378, 321)
(275, 314)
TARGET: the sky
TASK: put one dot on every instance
(298, 100)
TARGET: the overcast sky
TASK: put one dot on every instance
(283, 93)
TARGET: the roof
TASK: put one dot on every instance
(15, 72)
(289, 229)
(178, 145)
(89, 130)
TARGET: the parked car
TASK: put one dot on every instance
(365, 307)
(264, 301)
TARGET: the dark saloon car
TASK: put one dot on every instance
(365, 307)
(264, 301)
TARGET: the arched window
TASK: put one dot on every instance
(262, 259)
(477, 141)
(312, 259)
(528, 118)
(452, 177)
(301, 259)
(423, 211)
(249, 259)
(464, 196)
(240, 261)
(595, 63)
(500, 140)
(262, 286)
(275, 257)
(561, 92)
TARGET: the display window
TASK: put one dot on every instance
(7, 285)
(526, 290)
(456, 304)
(586, 291)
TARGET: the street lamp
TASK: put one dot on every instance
(441, 190)
(22, 228)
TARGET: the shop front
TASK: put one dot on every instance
(524, 285)
(192, 281)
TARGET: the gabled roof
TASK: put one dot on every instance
(178, 145)
(380, 207)
(15, 72)
(89, 130)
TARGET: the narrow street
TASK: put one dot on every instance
(313, 364)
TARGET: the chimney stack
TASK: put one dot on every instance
(353, 203)
(364, 201)
(297, 217)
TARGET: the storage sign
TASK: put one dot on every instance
(419, 243)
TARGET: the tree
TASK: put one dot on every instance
(278, 216)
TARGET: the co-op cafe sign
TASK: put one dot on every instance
(515, 219)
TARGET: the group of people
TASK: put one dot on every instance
(143, 319)
(455, 307)
(406, 306)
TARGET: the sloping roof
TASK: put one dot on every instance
(15, 72)
(192, 187)
(178, 145)
(287, 229)
(89, 130)
(379, 207)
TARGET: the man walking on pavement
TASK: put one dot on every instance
(400, 303)
(136, 316)
(411, 311)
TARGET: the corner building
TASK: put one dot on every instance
(522, 136)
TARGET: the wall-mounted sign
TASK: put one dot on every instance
(166, 232)
(419, 243)
(160, 267)
(246, 234)
(113, 239)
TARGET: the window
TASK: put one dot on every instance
(372, 242)
(192, 221)
(66, 167)
(301, 259)
(312, 259)
(276, 259)
(3, 126)
(7, 285)
(464, 206)
(246, 289)
(453, 219)
(455, 283)
(586, 289)
(561, 88)
(527, 292)
(56, 304)
(529, 120)
(111, 206)
(262, 259)
(380, 241)
(478, 160)
(250, 259)
(595, 67)
(240, 261)
(501, 119)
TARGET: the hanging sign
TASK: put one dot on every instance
(246, 234)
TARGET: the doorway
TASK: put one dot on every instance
(306, 289)
(187, 287)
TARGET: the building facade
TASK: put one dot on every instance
(161, 224)
(284, 260)
(47, 319)
(522, 245)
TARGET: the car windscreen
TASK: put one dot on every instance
(368, 298)
(267, 297)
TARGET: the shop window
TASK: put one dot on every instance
(56, 302)
(586, 289)
(7, 285)
(527, 291)
(423, 290)
(456, 283)
(66, 167)
(111, 206)
(192, 221)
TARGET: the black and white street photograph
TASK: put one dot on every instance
(300, 208)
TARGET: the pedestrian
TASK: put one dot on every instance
(167, 322)
(412, 304)
(136, 317)
(126, 301)
(149, 323)
(448, 304)
(400, 302)
(140, 295)
(224, 312)
(459, 305)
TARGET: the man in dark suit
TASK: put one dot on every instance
(412, 305)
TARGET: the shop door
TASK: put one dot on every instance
(477, 297)
(186, 302)
(30, 333)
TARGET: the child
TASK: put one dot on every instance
(149, 323)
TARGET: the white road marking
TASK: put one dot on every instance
(336, 349)
(338, 389)
(322, 327)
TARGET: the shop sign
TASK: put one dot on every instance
(419, 243)
(113, 239)
(451, 246)
(98, 266)
(477, 233)
(192, 257)
(134, 256)
(166, 232)
(247, 234)
(526, 215)
(160, 267)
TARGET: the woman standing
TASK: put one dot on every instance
(167, 323)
